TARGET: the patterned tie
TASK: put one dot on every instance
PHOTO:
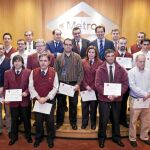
(101, 50)
(110, 74)
(43, 73)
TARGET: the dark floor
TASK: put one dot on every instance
(66, 144)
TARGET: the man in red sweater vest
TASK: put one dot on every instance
(43, 86)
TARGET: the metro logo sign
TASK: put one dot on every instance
(84, 16)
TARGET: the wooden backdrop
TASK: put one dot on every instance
(17, 16)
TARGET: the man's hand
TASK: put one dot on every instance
(88, 88)
(77, 87)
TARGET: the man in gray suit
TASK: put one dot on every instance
(101, 42)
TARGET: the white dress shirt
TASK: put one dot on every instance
(2, 59)
(139, 82)
(50, 95)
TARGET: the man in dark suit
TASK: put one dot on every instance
(4, 65)
(30, 43)
(18, 78)
(101, 42)
(110, 72)
(55, 46)
(80, 45)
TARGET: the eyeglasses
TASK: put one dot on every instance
(146, 44)
(20, 44)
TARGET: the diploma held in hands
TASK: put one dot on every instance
(88, 95)
(124, 62)
(13, 95)
(140, 103)
(112, 89)
(42, 108)
(66, 89)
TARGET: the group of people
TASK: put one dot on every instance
(37, 68)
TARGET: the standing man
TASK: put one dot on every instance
(80, 45)
(18, 78)
(21, 46)
(115, 33)
(33, 59)
(43, 86)
(110, 72)
(139, 82)
(145, 44)
(101, 42)
(122, 52)
(30, 43)
(56, 45)
(69, 68)
(137, 46)
(7, 38)
(4, 65)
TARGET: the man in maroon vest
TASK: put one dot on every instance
(43, 86)
(18, 78)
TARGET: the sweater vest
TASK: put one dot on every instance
(43, 84)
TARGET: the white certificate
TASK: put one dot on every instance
(42, 108)
(124, 62)
(112, 89)
(140, 103)
(13, 95)
(66, 89)
(88, 95)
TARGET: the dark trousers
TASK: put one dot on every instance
(60, 114)
(89, 108)
(105, 109)
(123, 112)
(49, 122)
(25, 114)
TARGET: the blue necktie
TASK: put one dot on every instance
(101, 50)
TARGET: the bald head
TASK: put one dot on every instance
(140, 61)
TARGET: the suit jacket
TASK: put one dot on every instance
(89, 73)
(108, 45)
(127, 54)
(5, 65)
(134, 48)
(54, 50)
(120, 76)
(11, 83)
(85, 44)
(32, 61)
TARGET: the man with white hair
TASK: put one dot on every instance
(139, 83)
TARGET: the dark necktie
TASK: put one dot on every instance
(122, 55)
(101, 50)
(91, 62)
(17, 72)
(43, 73)
(110, 74)
(56, 44)
(78, 46)
(116, 45)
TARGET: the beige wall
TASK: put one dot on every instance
(17, 16)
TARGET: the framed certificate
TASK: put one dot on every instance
(124, 62)
(112, 89)
(13, 95)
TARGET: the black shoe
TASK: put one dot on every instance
(83, 126)
(146, 142)
(29, 140)
(36, 144)
(101, 144)
(133, 143)
(58, 125)
(66, 108)
(93, 127)
(74, 127)
(50, 144)
(125, 124)
(118, 142)
(12, 142)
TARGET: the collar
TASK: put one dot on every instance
(18, 70)
(107, 64)
(45, 70)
